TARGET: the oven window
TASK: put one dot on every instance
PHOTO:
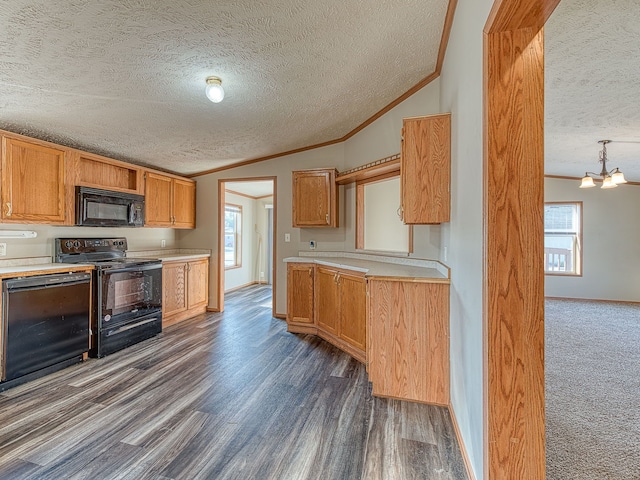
(131, 291)
(106, 211)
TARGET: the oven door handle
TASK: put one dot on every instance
(135, 268)
(124, 328)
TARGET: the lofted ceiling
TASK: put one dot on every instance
(592, 89)
(126, 78)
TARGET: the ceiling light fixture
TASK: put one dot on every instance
(214, 89)
(609, 179)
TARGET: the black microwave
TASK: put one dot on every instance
(104, 208)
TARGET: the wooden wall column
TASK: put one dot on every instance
(513, 243)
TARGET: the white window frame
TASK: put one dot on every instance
(236, 233)
(555, 262)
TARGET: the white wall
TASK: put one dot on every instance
(243, 275)
(378, 140)
(42, 245)
(610, 242)
(461, 94)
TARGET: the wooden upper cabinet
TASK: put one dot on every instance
(425, 169)
(157, 200)
(33, 186)
(169, 201)
(315, 198)
(184, 203)
(107, 174)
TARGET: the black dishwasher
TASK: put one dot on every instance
(46, 324)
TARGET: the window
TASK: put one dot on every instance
(378, 225)
(232, 236)
(563, 238)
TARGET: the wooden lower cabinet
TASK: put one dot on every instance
(185, 290)
(353, 310)
(408, 348)
(330, 303)
(327, 300)
(300, 282)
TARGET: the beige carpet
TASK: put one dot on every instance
(592, 369)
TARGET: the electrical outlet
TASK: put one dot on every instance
(3, 249)
(312, 245)
(287, 237)
(163, 243)
(261, 274)
(446, 251)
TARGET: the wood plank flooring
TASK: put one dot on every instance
(222, 396)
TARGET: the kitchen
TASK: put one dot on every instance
(122, 300)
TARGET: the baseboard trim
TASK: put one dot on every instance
(241, 286)
(629, 302)
(213, 309)
(281, 316)
(463, 449)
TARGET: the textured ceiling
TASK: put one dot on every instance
(126, 78)
(253, 188)
(592, 89)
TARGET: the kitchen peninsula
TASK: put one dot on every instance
(391, 313)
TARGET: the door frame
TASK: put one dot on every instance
(221, 202)
(513, 199)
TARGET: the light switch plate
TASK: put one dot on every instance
(287, 237)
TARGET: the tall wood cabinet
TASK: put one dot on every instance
(33, 182)
(169, 201)
(185, 289)
(300, 287)
(315, 198)
(425, 169)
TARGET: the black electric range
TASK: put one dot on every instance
(127, 292)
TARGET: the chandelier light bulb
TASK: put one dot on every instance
(587, 182)
(608, 183)
(214, 90)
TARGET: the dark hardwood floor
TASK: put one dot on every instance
(222, 396)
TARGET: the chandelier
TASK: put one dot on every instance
(610, 179)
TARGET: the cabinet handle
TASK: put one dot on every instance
(400, 212)
(310, 271)
(326, 218)
(9, 209)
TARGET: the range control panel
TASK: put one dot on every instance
(90, 245)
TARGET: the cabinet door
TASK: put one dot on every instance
(157, 200)
(197, 283)
(425, 169)
(353, 301)
(315, 199)
(327, 300)
(32, 183)
(174, 288)
(300, 293)
(184, 203)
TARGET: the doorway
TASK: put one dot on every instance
(247, 228)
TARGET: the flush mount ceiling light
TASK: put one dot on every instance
(214, 89)
(609, 179)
